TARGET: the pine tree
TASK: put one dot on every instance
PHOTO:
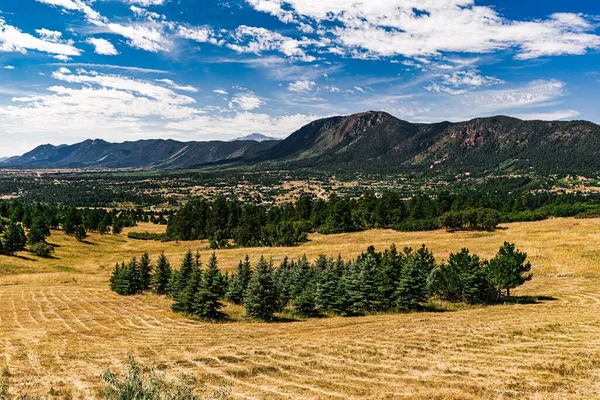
(508, 269)
(38, 231)
(206, 302)
(162, 275)
(349, 294)
(145, 272)
(261, 297)
(187, 283)
(115, 278)
(180, 278)
(239, 282)
(370, 281)
(80, 233)
(14, 238)
(413, 284)
(305, 304)
(325, 290)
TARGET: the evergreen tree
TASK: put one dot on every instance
(117, 227)
(80, 233)
(413, 285)
(261, 297)
(185, 283)
(145, 272)
(349, 294)
(370, 281)
(206, 302)
(327, 281)
(305, 304)
(239, 282)
(162, 275)
(180, 278)
(508, 269)
(38, 231)
(14, 238)
(463, 278)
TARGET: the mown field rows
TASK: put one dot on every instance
(60, 329)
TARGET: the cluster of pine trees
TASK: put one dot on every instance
(374, 282)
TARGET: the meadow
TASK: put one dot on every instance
(61, 326)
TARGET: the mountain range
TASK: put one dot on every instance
(371, 142)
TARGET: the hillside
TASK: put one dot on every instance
(139, 154)
(377, 141)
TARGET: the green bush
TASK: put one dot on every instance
(148, 384)
(146, 236)
(41, 250)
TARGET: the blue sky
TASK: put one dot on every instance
(214, 69)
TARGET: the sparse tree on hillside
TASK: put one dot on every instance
(14, 238)
(80, 233)
(508, 269)
(38, 231)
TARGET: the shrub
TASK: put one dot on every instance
(41, 250)
(145, 236)
(148, 384)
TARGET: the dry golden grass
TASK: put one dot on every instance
(61, 327)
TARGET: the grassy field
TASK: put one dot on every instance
(61, 327)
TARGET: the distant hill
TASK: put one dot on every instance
(379, 142)
(256, 137)
(140, 154)
(369, 142)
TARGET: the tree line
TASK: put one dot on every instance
(388, 281)
(227, 222)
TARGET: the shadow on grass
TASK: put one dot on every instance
(87, 242)
(24, 258)
(54, 245)
(526, 299)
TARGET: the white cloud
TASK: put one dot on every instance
(256, 40)
(301, 86)
(459, 82)
(118, 108)
(185, 88)
(76, 5)
(146, 3)
(146, 89)
(245, 102)
(144, 37)
(14, 40)
(103, 47)
(221, 92)
(548, 116)
(416, 28)
(243, 123)
(51, 36)
(198, 34)
(9, 67)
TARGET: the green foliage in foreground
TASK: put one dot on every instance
(388, 281)
(147, 384)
